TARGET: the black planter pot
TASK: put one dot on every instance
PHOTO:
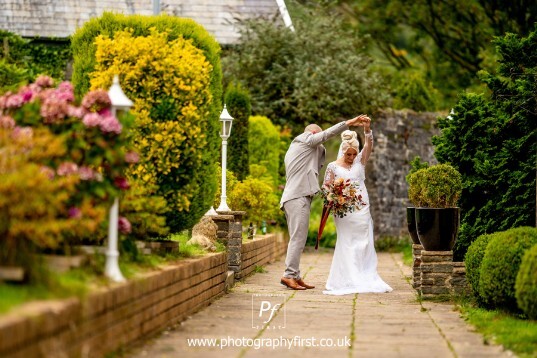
(411, 223)
(437, 228)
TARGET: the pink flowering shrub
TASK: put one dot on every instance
(97, 147)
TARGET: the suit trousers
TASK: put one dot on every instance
(297, 213)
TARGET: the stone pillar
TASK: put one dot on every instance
(416, 263)
(436, 270)
(233, 240)
(459, 285)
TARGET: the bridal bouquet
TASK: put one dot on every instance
(342, 196)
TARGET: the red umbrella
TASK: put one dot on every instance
(324, 217)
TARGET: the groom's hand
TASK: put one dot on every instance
(357, 121)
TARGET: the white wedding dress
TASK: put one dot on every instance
(354, 265)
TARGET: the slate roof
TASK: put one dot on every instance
(60, 18)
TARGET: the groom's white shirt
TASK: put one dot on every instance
(304, 160)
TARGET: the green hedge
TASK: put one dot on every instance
(190, 187)
(501, 263)
(263, 146)
(239, 107)
(526, 283)
(473, 259)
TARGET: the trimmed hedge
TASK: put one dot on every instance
(437, 186)
(501, 263)
(526, 283)
(238, 105)
(264, 147)
(473, 259)
(189, 184)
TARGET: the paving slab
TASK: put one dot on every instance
(395, 324)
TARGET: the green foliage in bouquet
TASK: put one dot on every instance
(437, 186)
(491, 141)
(501, 264)
(170, 68)
(239, 107)
(526, 283)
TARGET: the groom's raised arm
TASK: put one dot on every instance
(318, 138)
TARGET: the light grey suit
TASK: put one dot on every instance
(303, 162)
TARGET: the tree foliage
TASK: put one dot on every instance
(319, 73)
(239, 107)
(492, 141)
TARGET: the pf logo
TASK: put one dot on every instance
(268, 310)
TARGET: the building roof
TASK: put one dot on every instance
(61, 18)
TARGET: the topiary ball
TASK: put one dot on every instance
(472, 261)
(500, 266)
(526, 283)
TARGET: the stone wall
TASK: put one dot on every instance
(399, 137)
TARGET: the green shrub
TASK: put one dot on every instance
(490, 139)
(437, 186)
(473, 259)
(239, 107)
(526, 284)
(174, 77)
(256, 197)
(263, 146)
(500, 266)
(414, 92)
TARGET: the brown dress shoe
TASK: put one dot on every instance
(291, 283)
(303, 284)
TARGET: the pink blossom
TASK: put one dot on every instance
(49, 172)
(86, 173)
(96, 100)
(121, 183)
(124, 225)
(53, 109)
(92, 120)
(7, 122)
(3, 100)
(44, 81)
(75, 213)
(26, 93)
(67, 168)
(132, 157)
(105, 112)
(14, 101)
(66, 86)
(77, 112)
(110, 125)
(20, 133)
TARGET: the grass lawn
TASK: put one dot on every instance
(513, 332)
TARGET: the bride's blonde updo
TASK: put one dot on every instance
(349, 140)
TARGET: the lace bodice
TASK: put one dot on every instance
(355, 173)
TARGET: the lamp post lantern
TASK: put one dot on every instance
(227, 122)
(120, 102)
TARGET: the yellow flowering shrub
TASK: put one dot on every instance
(168, 81)
(170, 67)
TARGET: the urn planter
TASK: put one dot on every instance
(411, 224)
(437, 228)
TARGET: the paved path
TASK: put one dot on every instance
(378, 325)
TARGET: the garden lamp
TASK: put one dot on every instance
(120, 102)
(227, 122)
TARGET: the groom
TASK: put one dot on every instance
(303, 162)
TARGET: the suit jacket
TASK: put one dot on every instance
(303, 162)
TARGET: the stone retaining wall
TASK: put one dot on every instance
(123, 313)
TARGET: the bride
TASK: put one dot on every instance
(354, 265)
